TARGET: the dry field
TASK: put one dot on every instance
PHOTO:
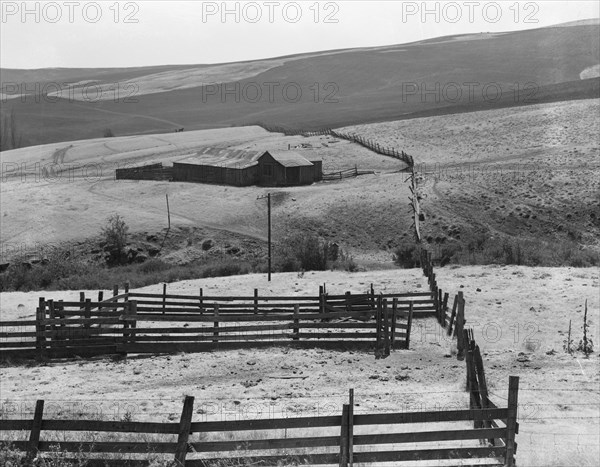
(520, 316)
(529, 172)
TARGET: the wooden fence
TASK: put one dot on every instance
(375, 147)
(346, 173)
(145, 172)
(134, 322)
(343, 440)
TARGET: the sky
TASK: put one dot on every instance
(113, 33)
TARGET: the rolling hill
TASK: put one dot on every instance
(327, 89)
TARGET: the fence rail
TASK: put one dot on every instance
(493, 430)
(345, 173)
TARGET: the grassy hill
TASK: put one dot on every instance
(354, 86)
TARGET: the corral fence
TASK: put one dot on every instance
(345, 173)
(344, 440)
(145, 172)
(136, 323)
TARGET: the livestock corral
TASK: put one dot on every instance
(381, 321)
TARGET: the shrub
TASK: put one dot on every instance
(115, 235)
(108, 133)
(304, 251)
(408, 256)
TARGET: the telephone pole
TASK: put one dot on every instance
(269, 229)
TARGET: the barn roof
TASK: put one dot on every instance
(290, 158)
(221, 157)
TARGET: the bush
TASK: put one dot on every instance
(115, 235)
(108, 133)
(408, 256)
(303, 252)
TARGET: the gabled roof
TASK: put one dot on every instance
(289, 158)
(221, 157)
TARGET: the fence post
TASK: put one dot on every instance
(344, 436)
(386, 329)
(296, 321)
(61, 313)
(126, 290)
(440, 307)
(409, 324)
(40, 328)
(115, 290)
(460, 324)
(394, 318)
(350, 427)
(133, 324)
(185, 425)
(164, 298)
(452, 315)
(482, 386)
(216, 326)
(348, 301)
(201, 301)
(255, 301)
(88, 316)
(52, 317)
(444, 308)
(36, 427)
(100, 295)
(511, 421)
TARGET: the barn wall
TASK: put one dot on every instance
(278, 177)
(317, 170)
(210, 174)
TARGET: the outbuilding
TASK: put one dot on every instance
(287, 168)
(243, 168)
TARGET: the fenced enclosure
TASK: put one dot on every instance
(137, 323)
(346, 439)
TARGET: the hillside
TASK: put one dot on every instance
(516, 68)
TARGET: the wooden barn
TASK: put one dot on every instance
(243, 168)
(287, 168)
(217, 165)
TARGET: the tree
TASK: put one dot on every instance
(115, 235)
(10, 138)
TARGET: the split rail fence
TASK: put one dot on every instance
(343, 440)
(134, 323)
(346, 173)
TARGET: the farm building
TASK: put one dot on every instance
(217, 165)
(243, 168)
(287, 168)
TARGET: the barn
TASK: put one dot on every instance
(218, 165)
(243, 168)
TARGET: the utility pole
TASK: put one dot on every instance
(269, 229)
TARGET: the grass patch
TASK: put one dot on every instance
(67, 274)
(483, 249)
